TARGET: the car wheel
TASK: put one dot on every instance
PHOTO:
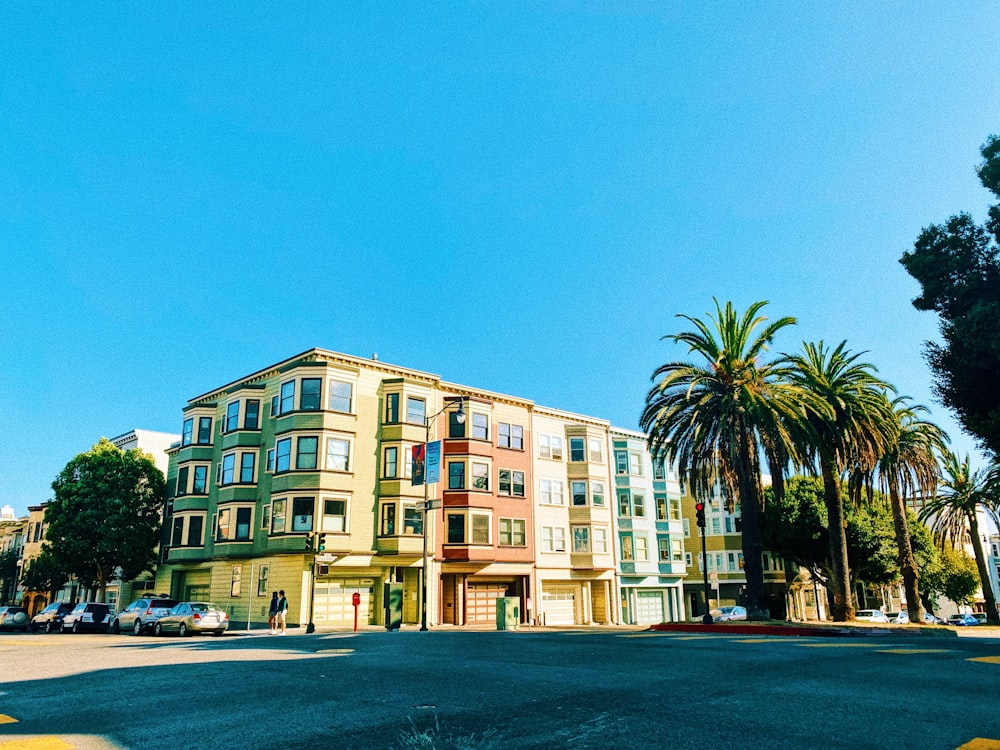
(158, 629)
(76, 627)
(182, 630)
(217, 633)
(116, 627)
(50, 627)
(137, 627)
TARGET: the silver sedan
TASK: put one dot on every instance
(188, 618)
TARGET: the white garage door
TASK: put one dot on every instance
(333, 603)
(559, 605)
(649, 608)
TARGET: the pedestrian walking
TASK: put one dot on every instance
(272, 614)
(282, 611)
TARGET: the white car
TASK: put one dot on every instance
(898, 618)
(871, 615)
(727, 614)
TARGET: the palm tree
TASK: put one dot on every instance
(714, 417)
(908, 467)
(953, 509)
(850, 429)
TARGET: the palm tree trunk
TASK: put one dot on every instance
(840, 578)
(992, 616)
(907, 563)
(753, 566)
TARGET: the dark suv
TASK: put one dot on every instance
(140, 616)
(50, 619)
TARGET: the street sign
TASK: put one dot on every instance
(324, 558)
(429, 505)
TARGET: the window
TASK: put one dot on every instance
(480, 528)
(553, 539)
(247, 464)
(388, 524)
(305, 457)
(578, 491)
(251, 418)
(480, 476)
(688, 560)
(716, 526)
(204, 431)
(597, 493)
(302, 513)
(195, 531)
(639, 506)
(413, 521)
(577, 449)
(663, 546)
(178, 533)
(278, 517)
(338, 454)
(480, 427)
(228, 469)
(187, 432)
(334, 515)
(596, 451)
(581, 539)
(270, 459)
(551, 492)
(340, 397)
(512, 532)
(309, 397)
(731, 558)
(456, 528)
(283, 456)
(407, 461)
(658, 472)
(641, 548)
(676, 550)
(286, 399)
(232, 417)
(600, 541)
(456, 475)
(634, 464)
(222, 528)
(265, 517)
(729, 524)
(415, 410)
(550, 446)
(182, 481)
(237, 581)
(675, 509)
(687, 527)
(243, 520)
(200, 486)
(456, 429)
(661, 507)
(392, 408)
(624, 509)
(627, 555)
(390, 463)
(511, 482)
(621, 462)
(262, 575)
(510, 436)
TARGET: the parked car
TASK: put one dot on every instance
(50, 619)
(981, 616)
(932, 619)
(188, 618)
(963, 620)
(727, 614)
(94, 617)
(898, 618)
(14, 618)
(141, 615)
(871, 615)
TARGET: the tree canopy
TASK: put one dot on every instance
(45, 572)
(106, 514)
(958, 267)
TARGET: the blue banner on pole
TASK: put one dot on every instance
(433, 459)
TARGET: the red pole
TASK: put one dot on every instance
(355, 618)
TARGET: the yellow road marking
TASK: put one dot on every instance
(646, 635)
(769, 639)
(36, 743)
(340, 651)
(987, 660)
(840, 645)
(698, 637)
(5, 719)
(980, 743)
(913, 650)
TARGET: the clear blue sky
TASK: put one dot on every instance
(515, 196)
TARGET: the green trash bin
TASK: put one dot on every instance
(508, 613)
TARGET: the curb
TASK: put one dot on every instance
(811, 631)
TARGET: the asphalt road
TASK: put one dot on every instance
(452, 689)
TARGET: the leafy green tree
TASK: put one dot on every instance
(958, 267)
(793, 524)
(953, 575)
(45, 573)
(714, 417)
(847, 424)
(8, 574)
(953, 513)
(106, 514)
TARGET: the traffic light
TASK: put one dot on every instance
(309, 541)
(322, 542)
(699, 510)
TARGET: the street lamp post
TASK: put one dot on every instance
(460, 418)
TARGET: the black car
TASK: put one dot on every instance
(50, 619)
(94, 617)
(14, 618)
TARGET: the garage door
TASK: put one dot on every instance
(333, 605)
(481, 603)
(649, 608)
(559, 605)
